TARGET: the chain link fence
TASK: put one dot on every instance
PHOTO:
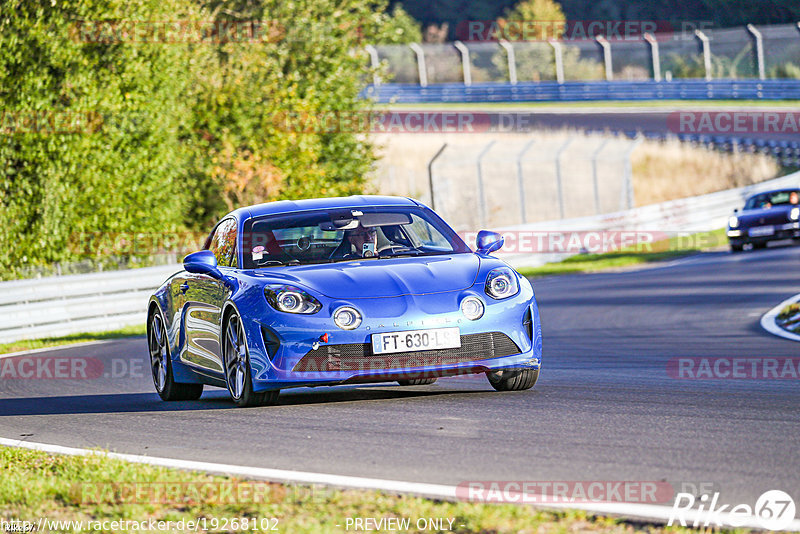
(730, 53)
(498, 181)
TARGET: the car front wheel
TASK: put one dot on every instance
(513, 379)
(238, 375)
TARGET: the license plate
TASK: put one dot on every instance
(760, 231)
(416, 340)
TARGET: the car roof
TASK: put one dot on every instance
(291, 206)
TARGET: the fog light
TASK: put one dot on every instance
(347, 318)
(472, 308)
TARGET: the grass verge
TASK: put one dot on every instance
(94, 489)
(30, 344)
(637, 255)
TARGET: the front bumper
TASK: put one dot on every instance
(286, 351)
(741, 236)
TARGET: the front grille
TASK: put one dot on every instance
(359, 356)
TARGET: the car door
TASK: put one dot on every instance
(204, 299)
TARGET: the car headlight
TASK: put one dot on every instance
(472, 308)
(347, 318)
(290, 299)
(795, 213)
(733, 222)
(502, 283)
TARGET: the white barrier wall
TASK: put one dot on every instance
(63, 305)
(694, 214)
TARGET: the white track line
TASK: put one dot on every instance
(768, 320)
(58, 347)
(646, 511)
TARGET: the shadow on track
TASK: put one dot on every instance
(211, 400)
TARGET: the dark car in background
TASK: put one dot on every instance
(767, 216)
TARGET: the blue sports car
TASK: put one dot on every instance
(340, 291)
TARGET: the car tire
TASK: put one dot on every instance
(417, 382)
(236, 363)
(513, 379)
(737, 248)
(759, 245)
(161, 364)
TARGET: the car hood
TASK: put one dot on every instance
(775, 215)
(382, 277)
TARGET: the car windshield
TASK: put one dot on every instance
(774, 198)
(344, 235)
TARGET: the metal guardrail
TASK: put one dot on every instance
(63, 305)
(585, 91)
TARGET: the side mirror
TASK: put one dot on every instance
(202, 262)
(489, 241)
(735, 210)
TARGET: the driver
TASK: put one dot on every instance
(793, 197)
(363, 240)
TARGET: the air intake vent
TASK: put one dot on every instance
(359, 357)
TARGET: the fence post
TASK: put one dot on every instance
(628, 179)
(650, 38)
(430, 174)
(423, 71)
(559, 60)
(595, 182)
(374, 63)
(466, 67)
(762, 75)
(521, 182)
(512, 61)
(706, 53)
(561, 149)
(602, 41)
(481, 192)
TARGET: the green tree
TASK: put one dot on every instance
(118, 172)
(185, 129)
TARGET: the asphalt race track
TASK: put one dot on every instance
(605, 407)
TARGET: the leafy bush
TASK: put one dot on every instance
(173, 134)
